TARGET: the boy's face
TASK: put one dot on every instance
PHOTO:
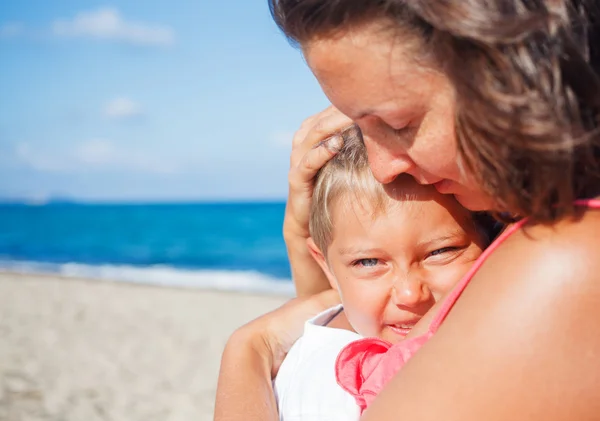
(391, 269)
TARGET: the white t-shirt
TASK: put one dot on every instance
(305, 387)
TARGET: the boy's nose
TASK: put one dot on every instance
(410, 293)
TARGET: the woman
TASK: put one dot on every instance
(498, 104)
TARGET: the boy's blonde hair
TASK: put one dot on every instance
(345, 178)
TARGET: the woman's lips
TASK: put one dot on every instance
(443, 186)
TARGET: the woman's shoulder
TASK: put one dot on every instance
(569, 247)
(552, 270)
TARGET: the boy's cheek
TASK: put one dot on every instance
(448, 278)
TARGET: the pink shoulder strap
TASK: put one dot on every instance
(457, 291)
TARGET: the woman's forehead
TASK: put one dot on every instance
(364, 79)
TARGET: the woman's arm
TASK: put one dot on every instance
(253, 355)
(522, 343)
(308, 277)
(245, 390)
(313, 145)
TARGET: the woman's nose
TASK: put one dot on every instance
(410, 293)
(385, 164)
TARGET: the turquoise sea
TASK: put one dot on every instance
(233, 246)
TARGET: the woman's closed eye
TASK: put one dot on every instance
(407, 132)
(403, 131)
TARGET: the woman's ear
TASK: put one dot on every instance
(319, 257)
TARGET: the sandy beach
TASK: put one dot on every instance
(79, 350)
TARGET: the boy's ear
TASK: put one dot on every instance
(319, 257)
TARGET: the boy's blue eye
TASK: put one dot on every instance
(366, 262)
(442, 250)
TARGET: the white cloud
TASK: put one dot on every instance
(281, 138)
(11, 29)
(108, 24)
(122, 108)
(96, 152)
(36, 160)
(93, 155)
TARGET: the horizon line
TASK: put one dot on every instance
(79, 201)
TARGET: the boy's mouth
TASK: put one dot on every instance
(402, 329)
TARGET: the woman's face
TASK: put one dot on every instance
(404, 109)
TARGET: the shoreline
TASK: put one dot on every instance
(84, 349)
(192, 289)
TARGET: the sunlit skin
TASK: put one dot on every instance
(404, 108)
(497, 356)
(391, 268)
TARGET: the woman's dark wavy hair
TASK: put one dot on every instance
(526, 75)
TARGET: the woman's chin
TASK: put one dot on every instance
(475, 201)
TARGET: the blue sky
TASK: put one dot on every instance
(145, 100)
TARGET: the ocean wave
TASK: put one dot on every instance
(160, 275)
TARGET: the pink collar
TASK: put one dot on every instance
(364, 366)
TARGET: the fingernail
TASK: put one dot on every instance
(334, 143)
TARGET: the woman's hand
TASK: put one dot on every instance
(315, 143)
(253, 355)
(274, 333)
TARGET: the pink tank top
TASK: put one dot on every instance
(364, 366)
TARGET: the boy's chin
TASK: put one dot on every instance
(392, 336)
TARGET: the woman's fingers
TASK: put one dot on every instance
(308, 124)
(315, 130)
(302, 175)
(317, 141)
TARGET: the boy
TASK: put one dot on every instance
(391, 252)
